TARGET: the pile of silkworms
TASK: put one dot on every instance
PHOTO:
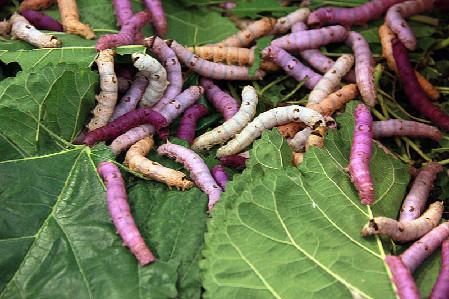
(155, 99)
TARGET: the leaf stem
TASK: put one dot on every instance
(278, 80)
(300, 84)
(425, 19)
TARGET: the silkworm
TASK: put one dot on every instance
(283, 24)
(364, 67)
(236, 162)
(386, 36)
(223, 102)
(219, 175)
(291, 66)
(109, 90)
(188, 121)
(212, 70)
(361, 151)
(36, 4)
(158, 19)
(336, 100)
(127, 121)
(246, 36)
(157, 77)
(416, 199)
(331, 79)
(405, 231)
(170, 111)
(290, 129)
(441, 286)
(71, 20)
(416, 96)
(5, 28)
(267, 120)
(136, 161)
(127, 34)
(130, 99)
(41, 20)
(311, 39)
(298, 142)
(400, 127)
(199, 172)
(121, 212)
(297, 158)
(424, 247)
(234, 125)
(402, 278)
(22, 29)
(397, 13)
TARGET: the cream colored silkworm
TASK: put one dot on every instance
(267, 120)
(136, 161)
(331, 79)
(22, 29)
(107, 98)
(234, 125)
(298, 142)
(285, 23)
(157, 76)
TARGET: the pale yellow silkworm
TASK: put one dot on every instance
(157, 76)
(331, 79)
(232, 126)
(22, 29)
(267, 120)
(70, 20)
(136, 161)
(109, 90)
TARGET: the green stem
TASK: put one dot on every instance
(400, 108)
(425, 19)
(300, 84)
(416, 148)
(278, 80)
(233, 91)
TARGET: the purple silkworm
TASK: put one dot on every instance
(402, 278)
(424, 247)
(347, 17)
(199, 172)
(441, 286)
(129, 101)
(170, 111)
(187, 125)
(311, 39)
(171, 64)
(127, 121)
(416, 199)
(236, 162)
(158, 19)
(361, 151)
(121, 213)
(400, 127)
(364, 67)
(291, 66)
(123, 10)
(223, 102)
(41, 20)
(212, 70)
(220, 176)
(126, 35)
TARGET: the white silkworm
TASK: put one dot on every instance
(267, 120)
(234, 125)
(22, 29)
(298, 142)
(157, 75)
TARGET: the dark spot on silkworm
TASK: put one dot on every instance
(114, 79)
(135, 59)
(169, 42)
(296, 110)
(27, 26)
(192, 63)
(178, 106)
(334, 71)
(374, 225)
(127, 99)
(404, 24)
(412, 208)
(291, 67)
(113, 175)
(426, 247)
(338, 94)
(157, 77)
(295, 118)
(400, 229)
(248, 35)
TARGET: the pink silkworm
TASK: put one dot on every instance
(291, 66)
(415, 94)
(187, 125)
(397, 13)
(168, 59)
(41, 20)
(347, 17)
(402, 278)
(212, 70)
(129, 101)
(361, 151)
(127, 33)
(127, 121)
(236, 162)
(364, 67)
(424, 247)
(400, 127)
(441, 287)
(311, 39)
(219, 175)
(199, 172)
(158, 19)
(223, 102)
(170, 111)
(416, 199)
(316, 58)
(123, 10)
(121, 212)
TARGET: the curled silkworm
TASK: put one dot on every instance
(22, 29)
(298, 142)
